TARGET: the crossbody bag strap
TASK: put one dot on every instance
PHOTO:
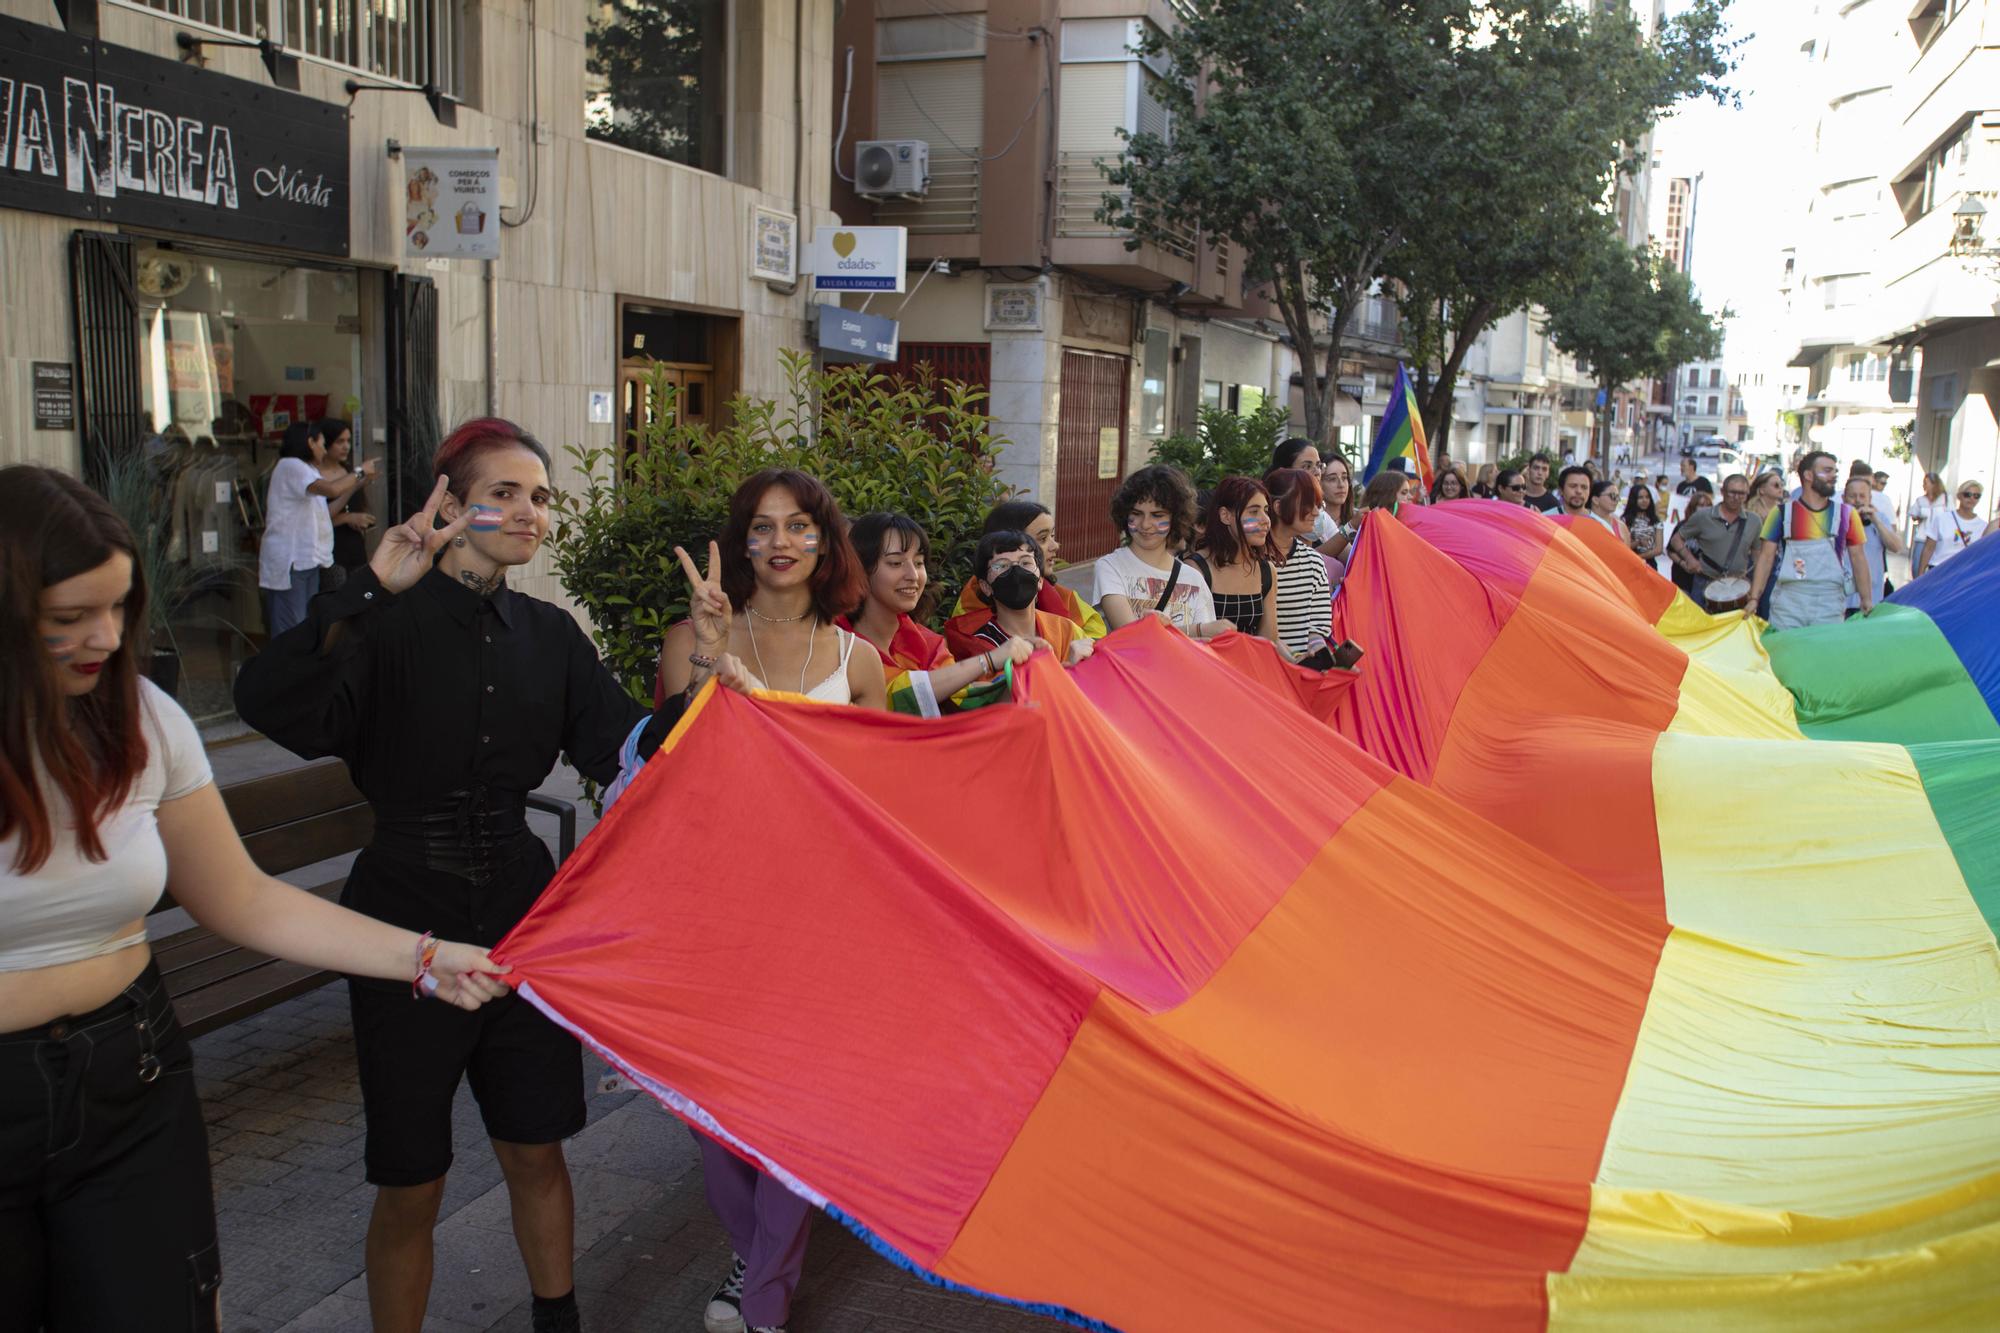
(1172, 580)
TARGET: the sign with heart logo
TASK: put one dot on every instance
(859, 259)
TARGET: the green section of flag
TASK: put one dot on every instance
(1962, 780)
(1891, 676)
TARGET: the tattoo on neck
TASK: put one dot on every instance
(484, 587)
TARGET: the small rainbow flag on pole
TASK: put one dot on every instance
(1401, 434)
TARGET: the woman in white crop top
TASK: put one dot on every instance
(106, 800)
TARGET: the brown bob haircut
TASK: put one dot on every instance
(1167, 487)
(1294, 494)
(91, 748)
(837, 583)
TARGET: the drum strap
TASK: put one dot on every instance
(1742, 526)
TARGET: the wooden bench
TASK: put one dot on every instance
(287, 821)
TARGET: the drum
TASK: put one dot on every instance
(1727, 595)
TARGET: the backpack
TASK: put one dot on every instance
(1843, 517)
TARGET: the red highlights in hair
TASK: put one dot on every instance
(458, 457)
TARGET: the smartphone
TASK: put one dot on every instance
(1347, 655)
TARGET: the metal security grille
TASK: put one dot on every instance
(107, 348)
(415, 42)
(413, 393)
(1094, 387)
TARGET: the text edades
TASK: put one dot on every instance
(97, 131)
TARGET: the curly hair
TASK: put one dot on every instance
(1167, 487)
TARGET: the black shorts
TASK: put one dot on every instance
(526, 1073)
(106, 1217)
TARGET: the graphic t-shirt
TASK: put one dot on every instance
(1125, 574)
(1952, 533)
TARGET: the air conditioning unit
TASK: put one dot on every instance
(892, 168)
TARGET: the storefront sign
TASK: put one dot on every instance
(859, 259)
(451, 203)
(92, 130)
(55, 395)
(851, 335)
(774, 246)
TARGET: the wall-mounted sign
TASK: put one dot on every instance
(92, 130)
(774, 246)
(849, 335)
(600, 407)
(1014, 307)
(55, 395)
(1108, 451)
(451, 203)
(859, 259)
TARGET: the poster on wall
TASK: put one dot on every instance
(451, 203)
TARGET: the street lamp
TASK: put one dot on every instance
(1968, 220)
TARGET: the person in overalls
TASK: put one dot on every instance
(1809, 546)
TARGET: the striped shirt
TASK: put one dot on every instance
(1305, 598)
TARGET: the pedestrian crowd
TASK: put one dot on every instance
(451, 696)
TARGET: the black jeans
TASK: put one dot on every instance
(107, 1220)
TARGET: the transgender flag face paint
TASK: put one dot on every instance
(485, 518)
(60, 648)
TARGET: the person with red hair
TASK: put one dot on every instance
(451, 696)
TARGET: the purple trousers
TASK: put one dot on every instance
(767, 1226)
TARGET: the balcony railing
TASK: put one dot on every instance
(1080, 190)
(414, 42)
(950, 205)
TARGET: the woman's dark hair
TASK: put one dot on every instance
(1003, 542)
(1384, 489)
(1288, 450)
(1345, 514)
(295, 443)
(1294, 494)
(1224, 544)
(458, 457)
(868, 534)
(1167, 487)
(836, 583)
(88, 749)
(1015, 516)
(1598, 488)
(1632, 507)
(1437, 485)
(331, 429)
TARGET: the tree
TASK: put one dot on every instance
(1459, 146)
(657, 66)
(1627, 315)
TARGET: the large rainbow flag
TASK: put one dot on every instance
(1401, 434)
(1562, 969)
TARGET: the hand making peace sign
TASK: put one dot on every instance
(708, 604)
(408, 550)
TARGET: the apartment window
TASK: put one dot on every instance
(930, 84)
(413, 42)
(1933, 17)
(1931, 182)
(1153, 384)
(1107, 90)
(1715, 377)
(1714, 404)
(656, 79)
(1864, 367)
(1694, 377)
(1839, 290)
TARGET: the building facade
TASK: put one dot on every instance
(201, 243)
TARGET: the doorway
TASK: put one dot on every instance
(1090, 449)
(688, 356)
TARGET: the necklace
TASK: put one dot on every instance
(811, 635)
(777, 620)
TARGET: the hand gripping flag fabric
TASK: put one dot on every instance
(1553, 971)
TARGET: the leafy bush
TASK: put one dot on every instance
(1227, 445)
(922, 448)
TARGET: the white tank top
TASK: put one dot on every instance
(835, 689)
(72, 908)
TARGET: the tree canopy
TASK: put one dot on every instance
(1460, 148)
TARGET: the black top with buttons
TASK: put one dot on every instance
(433, 693)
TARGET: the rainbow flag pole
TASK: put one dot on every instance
(1401, 434)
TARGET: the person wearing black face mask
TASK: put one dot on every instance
(1008, 580)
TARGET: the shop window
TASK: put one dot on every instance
(1211, 393)
(656, 79)
(1153, 384)
(232, 352)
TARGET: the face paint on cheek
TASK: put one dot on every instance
(757, 547)
(810, 543)
(485, 518)
(60, 649)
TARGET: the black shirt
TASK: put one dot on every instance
(431, 693)
(1548, 502)
(1689, 485)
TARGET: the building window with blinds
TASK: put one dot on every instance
(930, 84)
(656, 79)
(1106, 88)
(413, 42)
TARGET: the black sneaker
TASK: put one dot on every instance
(557, 1316)
(725, 1307)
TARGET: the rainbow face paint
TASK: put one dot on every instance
(1253, 523)
(485, 518)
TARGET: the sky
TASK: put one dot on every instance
(1741, 221)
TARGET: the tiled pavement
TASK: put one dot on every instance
(285, 1134)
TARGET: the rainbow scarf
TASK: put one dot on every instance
(1603, 982)
(1401, 434)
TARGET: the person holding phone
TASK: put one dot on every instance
(1879, 536)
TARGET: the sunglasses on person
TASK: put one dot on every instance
(1514, 486)
(1970, 495)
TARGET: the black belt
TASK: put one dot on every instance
(464, 833)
